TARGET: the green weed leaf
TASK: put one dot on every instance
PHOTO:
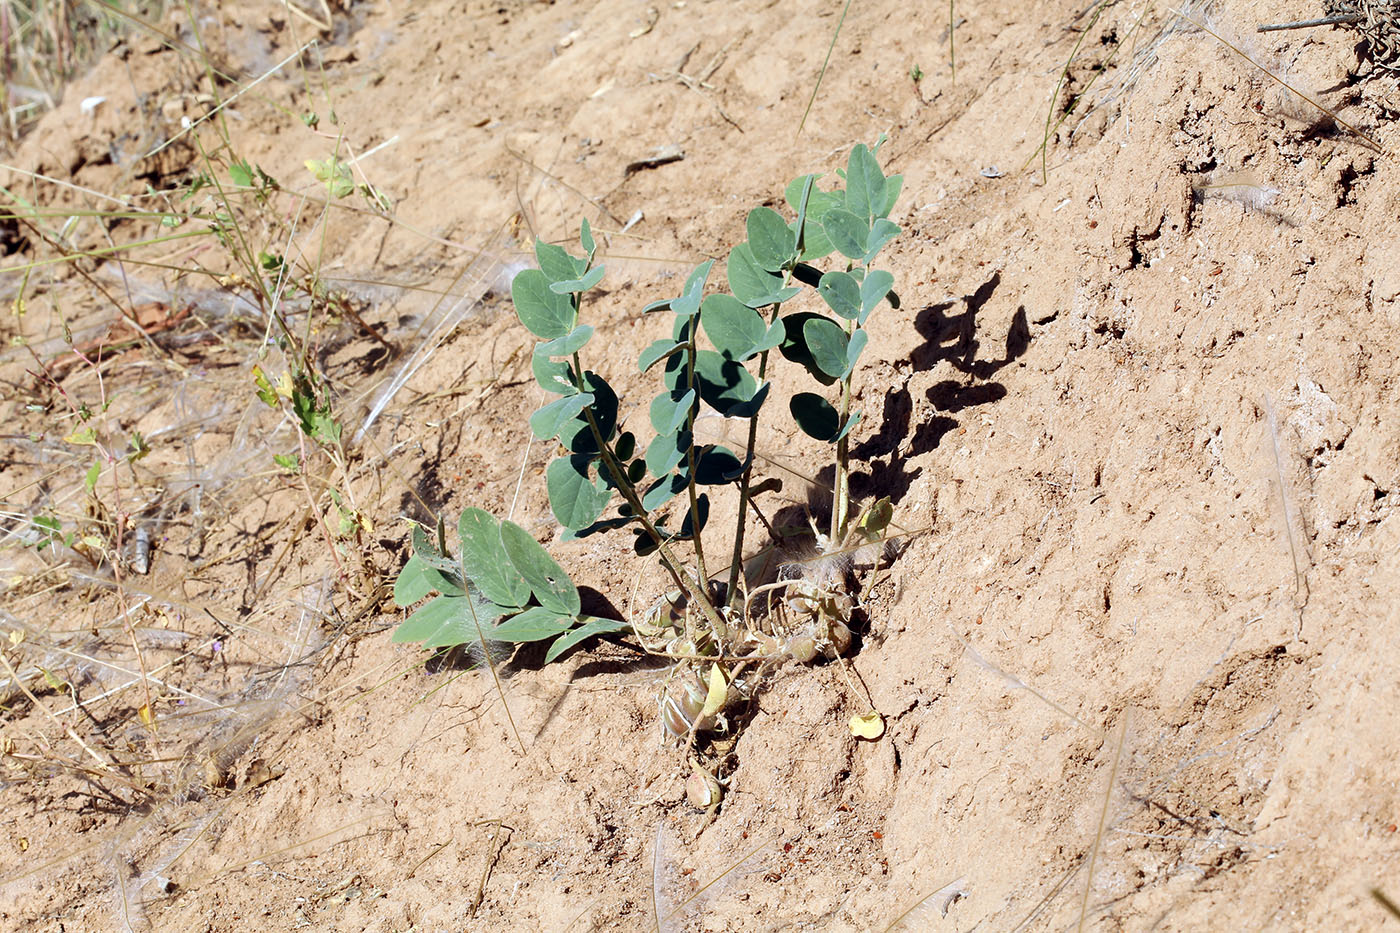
(593, 626)
(873, 289)
(552, 375)
(552, 418)
(751, 283)
(668, 413)
(485, 562)
(545, 313)
(827, 344)
(265, 390)
(735, 329)
(655, 353)
(848, 233)
(548, 581)
(770, 240)
(841, 292)
(534, 624)
(574, 497)
(881, 232)
(594, 276)
(865, 184)
(334, 174)
(241, 174)
(556, 264)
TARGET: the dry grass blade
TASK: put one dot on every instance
(661, 910)
(1366, 138)
(1290, 518)
(920, 915)
(1103, 822)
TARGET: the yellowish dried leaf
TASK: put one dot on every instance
(870, 726)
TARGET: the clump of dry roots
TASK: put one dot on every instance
(804, 615)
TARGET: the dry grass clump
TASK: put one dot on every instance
(46, 43)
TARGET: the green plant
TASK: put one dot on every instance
(718, 626)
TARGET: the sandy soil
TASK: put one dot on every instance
(1134, 663)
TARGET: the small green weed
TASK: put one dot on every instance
(720, 627)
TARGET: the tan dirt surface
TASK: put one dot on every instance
(1137, 657)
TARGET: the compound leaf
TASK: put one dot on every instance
(574, 497)
(841, 292)
(827, 344)
(552, 418)
(548, 581)
(751, 283)
(534, 624)
(568, 286)
(865, 184)
(770, 239)
(594, 626)
(881, 232)
(735, 329)
(556, 264)
(485, 561)
(848, 233)
(873, 289)
(552, 375)
(544, 313)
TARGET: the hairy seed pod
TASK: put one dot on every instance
(681, 647)
(803, 648)
(840, 637)
(702, 790)
(765, 645)
(681, 706)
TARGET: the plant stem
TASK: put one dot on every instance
(841, 497)
(690, 456)
(736, 563)
(677, 570)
